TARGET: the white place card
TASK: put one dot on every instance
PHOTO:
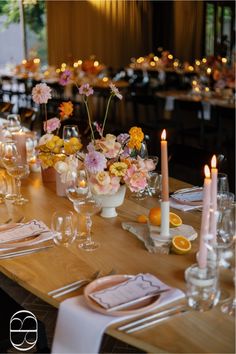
(136, 287)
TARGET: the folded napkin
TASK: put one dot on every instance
(18, 235)
(183, 207)
(150, 235)
(79, 329)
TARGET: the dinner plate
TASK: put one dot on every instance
(27, 241)
(111, 280)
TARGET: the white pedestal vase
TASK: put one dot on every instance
(110, 202)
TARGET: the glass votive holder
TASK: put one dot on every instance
(154, 184)
(202, 287)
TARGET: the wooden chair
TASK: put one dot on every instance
(6, 107)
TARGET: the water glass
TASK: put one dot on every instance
(13, 123)
(222, 183)
(70, 131)
(202, 287)
(63, 226)
(154, 184)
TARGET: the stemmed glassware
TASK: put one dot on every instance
(63, 226)
(19, 171)
(77, 188)
(13, 123)
(229, 306)
(70, 131)
(9, 156)
(88, 207)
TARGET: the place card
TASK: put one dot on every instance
(138, 286)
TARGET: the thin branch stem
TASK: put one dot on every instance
(89, 118)
(105, 118)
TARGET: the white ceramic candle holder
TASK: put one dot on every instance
(165, 219)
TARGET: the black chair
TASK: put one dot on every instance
(6, 107)
(8, 307)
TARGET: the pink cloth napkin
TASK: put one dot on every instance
(79, 329)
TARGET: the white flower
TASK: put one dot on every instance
(45, 138)
(115, 91)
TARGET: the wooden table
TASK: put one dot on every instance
(209, 332)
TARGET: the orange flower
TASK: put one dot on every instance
(66, 109)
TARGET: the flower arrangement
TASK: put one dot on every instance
(51, 148)
(113, 161)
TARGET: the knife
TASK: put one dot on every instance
(24, 252)
(136, 301)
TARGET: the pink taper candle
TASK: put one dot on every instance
(202, 255)
(214, 174)
(20, 140)
(164, 168)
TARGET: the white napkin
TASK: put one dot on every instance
(174, 204)
(24, 234)
(80, 329)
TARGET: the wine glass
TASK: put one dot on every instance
(70, 131)
(88, 207)
(3, 188)
(18, 170)
(9, 155)
(229, 306)
(77, 188)
(63, 226)
(13, 122)
(222, 183)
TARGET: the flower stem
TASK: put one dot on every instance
(105, 118)
(46, 117)
(89, 118)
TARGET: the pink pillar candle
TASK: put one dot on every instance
(164, 168)
(20, 140)
(214, 174)
(202, 255)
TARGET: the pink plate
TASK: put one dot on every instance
(106, 282)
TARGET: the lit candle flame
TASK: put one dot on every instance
(82, 183)
(213, 161)
(163, 135)
(207, 172)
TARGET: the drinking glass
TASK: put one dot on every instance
(19, 171)
(70, 131)
(63, 226)
(222, 183)
(77, 188)
(202, 287)
(9, 156)
(229, 306)
(13, 122)
(155, 184)
(3, 188)
(88, 207)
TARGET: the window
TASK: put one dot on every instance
(219, 28)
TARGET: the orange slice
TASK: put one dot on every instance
(180, 245)
(175, 220)
(142, 218)
(155, 216)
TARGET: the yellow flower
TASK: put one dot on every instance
(136, 138)
(55, 144)
(66, 109)
(118, 169)
(72, 146)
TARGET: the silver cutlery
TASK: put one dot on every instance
(8, 221)
(24, 252)
(136, 301)
(153, 319)
(75, 285)
(60, 290)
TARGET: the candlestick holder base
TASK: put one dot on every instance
(165, 220)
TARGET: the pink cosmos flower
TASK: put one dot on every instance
(65, 77)
(41, 93)
(95, 162)
(115, 91)
(86, 90)
(52, 124)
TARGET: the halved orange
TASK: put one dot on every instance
(142, 218)
(175, 220)
(180, 244)
(155, 216)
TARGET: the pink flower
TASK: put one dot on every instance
(103, 183)
(86, 90)
(41, 93)
(95, 162)
(65, 77)
(135, 179)
(115, 91)
(51, 125)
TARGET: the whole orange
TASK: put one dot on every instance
(155, 216)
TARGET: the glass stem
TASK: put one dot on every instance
(88, 227)
(18, 188)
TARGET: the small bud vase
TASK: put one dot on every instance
(48, 175)
(110, 202)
